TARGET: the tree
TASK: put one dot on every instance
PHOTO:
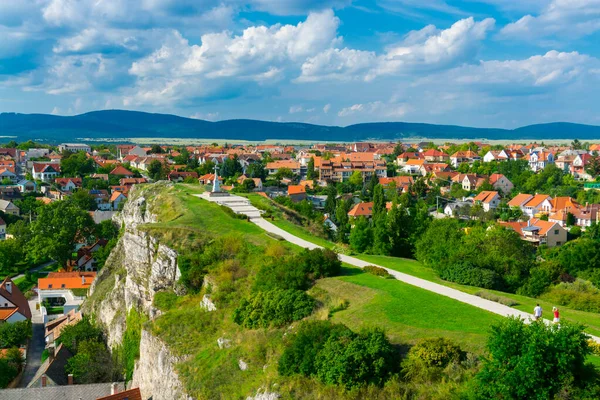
(361, 235)
(157, 171)
(379, 204)
(570, 219)
(310, 170)
(381, 236)
(356, 179)
(91, 364)
(398, 222)
(57, 229)
(10, 254)
(576, 144)
(419, 187)
(107, 230)
(341, 217)
(76, 164)
(533, 361)
(330, 201)
(373, 182)
(593, 166)
(248, 185)
(256, 170)
(231, 167)
(84, 200)
(14, 334)
(283, 173)
(156, 149)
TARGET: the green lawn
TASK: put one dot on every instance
(415, 268)
(407, 313)
(26, 285)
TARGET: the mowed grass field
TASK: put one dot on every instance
(405, 312)
(415, 268)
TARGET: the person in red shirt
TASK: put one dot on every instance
(556, 315)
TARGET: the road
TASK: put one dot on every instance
(36, 346)
(442, 290)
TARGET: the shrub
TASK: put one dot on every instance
(71, 336)
(352, 360)
(436, 352)
(594, 347)
(540, 278)
(320, 263)
(165, 300)
(273, 308)
(301, 352)
(377, 271)
(580, 295)
(8, 372)
(281, 274)
(498, 299)
(465, 274)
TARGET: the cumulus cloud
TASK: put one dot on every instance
(260, 54)
(376, 110)
(425, 50)
(561, 18)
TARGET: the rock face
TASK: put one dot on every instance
(154, 373)
(137, 268)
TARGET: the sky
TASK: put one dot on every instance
(483, 63)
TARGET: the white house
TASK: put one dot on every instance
(9, 208)
(45, 172)
(495, 155)
(538, 160)
(74, 147)
(489, 200)
(13, 305)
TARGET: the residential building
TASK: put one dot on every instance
(2, 229)
(13, 304)
(54, 328)
(520, 200)
(496, 155)
(68, 184)
(6, 174)
(26, 186)
(45, 172)
(501, 183)
(489, 200)
(116, 198)
(179, 176)
(296, 192)
(433, 155)
(61, 284)
(74, 147)
(121, 171)
(538, 204)
(275, 166)
(9, 208)
(402, 183)
(365, 209)
(52, 372)
(102, 198)
(460, 157)
(539, 232)
(538, 160)
(93, 391)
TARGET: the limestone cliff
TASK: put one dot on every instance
(137, 268)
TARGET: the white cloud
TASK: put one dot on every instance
(425, 50)
(376, 110)
(296, 109)
(561, 18)
(260, 55)
(211, 116)
(326, 108)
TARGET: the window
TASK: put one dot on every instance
(50, 286)
(558, 243)
(556, 231)
(63, 286)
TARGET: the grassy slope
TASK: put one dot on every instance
(407, 313)
(414, 268)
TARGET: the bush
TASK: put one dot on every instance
(165, 300)
(377, 271)
(320, 263)
(436, 352)
(273, 308)
(539, 280)
(498, 299)
(8, 372)
(465, 274)
(301, 352)
(580, 295)
(352, 360)
(281, 274)
(71, 336)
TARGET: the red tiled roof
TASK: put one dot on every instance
(296, 189)
(16, 297)
(121, 170)
(131, 394)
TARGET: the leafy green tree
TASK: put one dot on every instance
(57, 229)
(256, 170)
(440, 243)
(157, 171)
(73, 335)
(570, 219)
(398, 222)
(84, 200)
(156, 149)
(91, 364)
(533, 361)
(361, 235)
(342, 220)
(10, 254)
(284, 173)
(107, 230)
(248, 185)
(273, 308)
(14, 334)
(381, 236)
(319, 263)
(8, 372)
(379, 204)
(310, 169)
(29, 204)
(372, 184)
(76, 164)
(356, 179)
(593, 166)
(330, 201)
(231, 167)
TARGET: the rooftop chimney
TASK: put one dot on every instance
(8, 287)
(82, 279)
(70, 379)
(44, 380)
(51, 351)
(114, 388)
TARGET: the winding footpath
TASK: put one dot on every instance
(235, 203)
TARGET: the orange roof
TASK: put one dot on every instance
(434, 153)
(400, 180)
(415, 162)
(121, 170)
(537, 200)
(283, 164)
(310, 183)
(495, 178)
(70, 280)
(115, 195)
(519, 200)
(544, 226)
(5, 313)
(296, 189)
(361, 210)
(131, 394)
(563, 203)
(486, 196)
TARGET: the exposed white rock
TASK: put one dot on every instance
(262, 394)
(223, 343)
(207, 303)
(155, 373)
(242, 364)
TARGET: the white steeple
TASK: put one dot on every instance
(216, 187)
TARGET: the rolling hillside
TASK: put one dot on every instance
(122, 125)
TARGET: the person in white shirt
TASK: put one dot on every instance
(537, 312)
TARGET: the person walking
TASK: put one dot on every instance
(556, 319)
(537, 312)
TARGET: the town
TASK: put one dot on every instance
(434, 203)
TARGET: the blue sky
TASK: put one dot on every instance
(489, 63)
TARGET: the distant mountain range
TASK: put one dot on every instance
(119, 125)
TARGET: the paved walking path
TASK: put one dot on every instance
(36, 269)
(442, 290)
(36, 346)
